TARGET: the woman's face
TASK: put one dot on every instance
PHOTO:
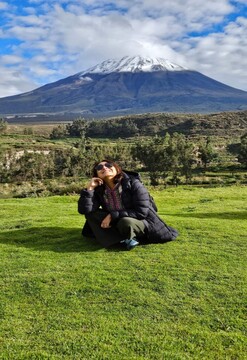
(106, 170)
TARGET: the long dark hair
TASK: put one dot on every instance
(119, 175)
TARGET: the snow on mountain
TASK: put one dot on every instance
(130, 85)
(133, 64)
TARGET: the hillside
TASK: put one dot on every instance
(221, 124)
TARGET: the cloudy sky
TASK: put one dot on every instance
(42, 41)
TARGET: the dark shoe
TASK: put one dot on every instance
(130, 243)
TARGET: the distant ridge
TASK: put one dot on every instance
(129, 85)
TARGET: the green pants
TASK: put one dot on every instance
(124, 228)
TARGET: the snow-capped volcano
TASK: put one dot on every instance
(133, 64)
(127, 86)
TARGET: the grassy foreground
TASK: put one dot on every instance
(64, 297)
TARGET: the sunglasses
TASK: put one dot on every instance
(100, 166)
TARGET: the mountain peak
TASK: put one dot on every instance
(134, 64)
(131, 85)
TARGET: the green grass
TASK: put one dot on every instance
(64, 297)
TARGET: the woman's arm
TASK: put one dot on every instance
(89, 200)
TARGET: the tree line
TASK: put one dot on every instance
(135, 127)
(172, 157)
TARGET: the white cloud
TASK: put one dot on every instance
(12, 81)
(222, 56)
(61, 38)
(3, 5)
(11, 59)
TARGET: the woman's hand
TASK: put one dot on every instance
(105, 224)
(94, 182)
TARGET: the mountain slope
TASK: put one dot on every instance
(129, 85)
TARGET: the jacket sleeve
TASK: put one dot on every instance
(139, 200)
(88, 202)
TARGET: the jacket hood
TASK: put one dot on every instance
(132, 174)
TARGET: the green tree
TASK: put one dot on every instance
(28, 131)
(3, 125)
(77, 128)
(162, 156)
(27, 167)
(242, 157)
(59, 132)
(206, 153)
(181, 157)
(152, 154)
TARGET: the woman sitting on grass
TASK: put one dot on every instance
(119, 209)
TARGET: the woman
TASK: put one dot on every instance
(119, 209)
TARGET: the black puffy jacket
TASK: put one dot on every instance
(137, 204)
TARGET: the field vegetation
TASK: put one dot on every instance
(45, 159)
(64, 297)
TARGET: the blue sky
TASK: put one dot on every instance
(42, 41)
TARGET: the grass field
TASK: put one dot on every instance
(64, 297)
